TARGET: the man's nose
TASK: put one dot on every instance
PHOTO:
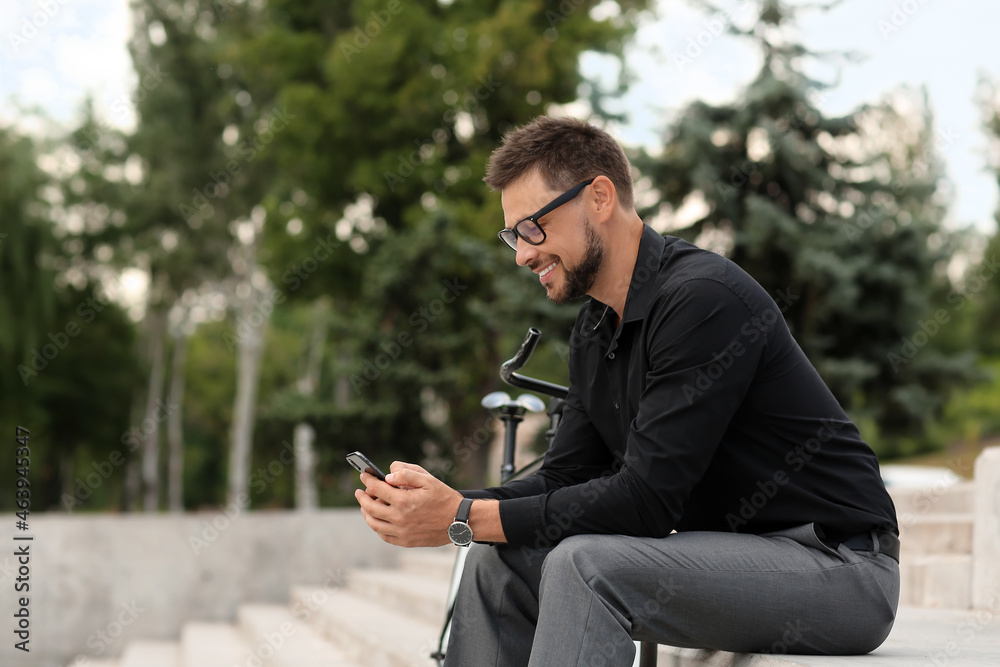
(525, 252)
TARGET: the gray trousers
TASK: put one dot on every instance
(584, 601)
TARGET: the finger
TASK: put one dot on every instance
(371, 492)
(364, 500)
(409, 477)
(402, 465)
(375, 506)
(374, 487)
(381, 527)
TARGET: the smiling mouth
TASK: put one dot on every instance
(547, 270)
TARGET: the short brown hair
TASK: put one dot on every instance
(566, 151)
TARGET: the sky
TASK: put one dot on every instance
(54, 53)
(943, 45)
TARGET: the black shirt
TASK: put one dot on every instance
(699, 412)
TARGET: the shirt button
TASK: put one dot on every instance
(611, 356)
(617, 405)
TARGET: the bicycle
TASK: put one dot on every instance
(511, 412)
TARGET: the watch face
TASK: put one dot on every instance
(460, 533)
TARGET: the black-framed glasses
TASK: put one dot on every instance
(529, 229)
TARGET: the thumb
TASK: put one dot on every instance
(402, 465)
(408, 477)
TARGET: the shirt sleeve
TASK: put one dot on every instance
(703, 350)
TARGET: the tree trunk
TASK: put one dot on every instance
(475, 472)
(133, 485)
(132, 491)
(175, 429)
(157, 319)
(67, 471)
(306, 493)
(477, 469)
(250, 349)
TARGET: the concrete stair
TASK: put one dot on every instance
(932, 637)
(384, 618)
(280, 638)
(434, 564)
(147, 653)
(380, 618)
(393, 617)
(372, 632)
(419, 594)
(935, 533)
(210, 644)
(937, 499)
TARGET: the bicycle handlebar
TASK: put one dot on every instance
(508, 375)
(523, 354)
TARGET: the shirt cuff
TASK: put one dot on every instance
(480, 494)
(522, 524)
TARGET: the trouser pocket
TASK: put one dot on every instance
(807, 535)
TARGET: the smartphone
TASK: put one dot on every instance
(361, 463)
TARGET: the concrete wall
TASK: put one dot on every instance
(98, 581)
(986, 532)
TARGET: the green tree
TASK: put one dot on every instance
(987, 296)
(839, 218)
(393, 109)
(972, 415)
(26, 297)
(27, 301)
(52, 337)
(87, 433)
(174, 194)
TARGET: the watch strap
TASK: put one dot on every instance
(463, 510)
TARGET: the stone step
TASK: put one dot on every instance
(277, 638)
(937, 499)
(211, 645)
(150, 653)
(919, 637)
(373, 633)
(421, 596)
(436, 562)
(937, 534)
(942, 581)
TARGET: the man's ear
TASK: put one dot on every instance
(604, 199)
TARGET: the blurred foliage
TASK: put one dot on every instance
(987, 328)
(361, 129)
(354, 135)
(972, 416)
(377, 202)
(26, 300)
(53, 338)
(839, 218)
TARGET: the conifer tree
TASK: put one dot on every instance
(839, 218)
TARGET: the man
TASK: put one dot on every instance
(691, 409)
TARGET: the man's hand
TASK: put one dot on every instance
(412, 508)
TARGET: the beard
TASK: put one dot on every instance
(581, 278)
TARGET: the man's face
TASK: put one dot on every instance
(568, 260)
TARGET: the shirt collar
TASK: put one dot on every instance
(642, 288)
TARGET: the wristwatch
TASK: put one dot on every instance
(459, 531)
